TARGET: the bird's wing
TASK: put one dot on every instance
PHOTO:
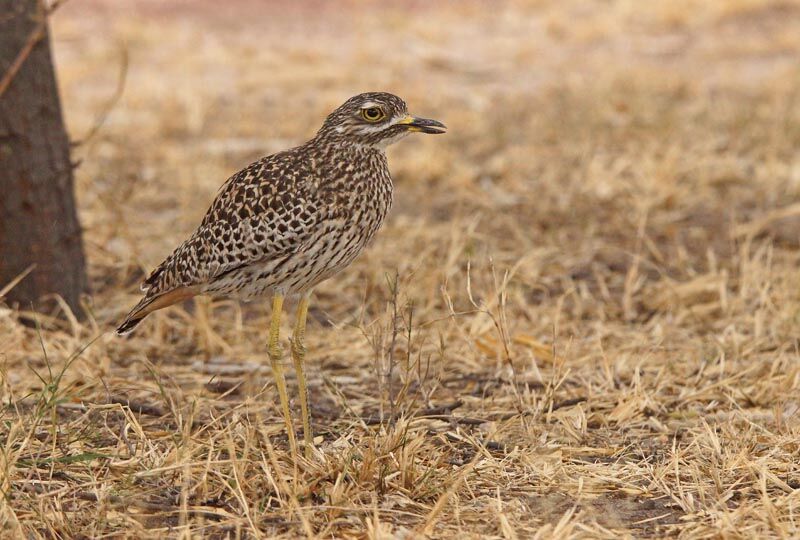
(259, 214)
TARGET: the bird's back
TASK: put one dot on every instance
(285, 221)
(291, 220)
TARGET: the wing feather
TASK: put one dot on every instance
(259, 214)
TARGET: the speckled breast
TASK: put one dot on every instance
(336, 245)
(356, 206)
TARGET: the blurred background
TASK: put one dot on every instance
(610, 230)
(581, 133)
(598, 149)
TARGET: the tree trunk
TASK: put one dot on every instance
(38, 223)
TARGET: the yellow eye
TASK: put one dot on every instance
(372, 114)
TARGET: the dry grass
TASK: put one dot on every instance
(587, 294)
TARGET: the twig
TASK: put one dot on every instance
(433, 411)
(466, 420)
(38, 32)
(442, 412)
(488, 444)
(116, 500)
(390, 369)
(111, 103)
(568, 403)
(13, 283)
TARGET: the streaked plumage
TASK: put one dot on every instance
(289, 221)
(293, 219)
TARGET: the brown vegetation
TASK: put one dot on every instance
(587, 294)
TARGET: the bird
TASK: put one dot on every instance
(287, 222)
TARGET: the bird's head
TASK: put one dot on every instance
(374, 119)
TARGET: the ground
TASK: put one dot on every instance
(579, 321)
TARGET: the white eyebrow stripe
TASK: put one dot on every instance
(368, 104)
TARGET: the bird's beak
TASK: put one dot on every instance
(423, 125)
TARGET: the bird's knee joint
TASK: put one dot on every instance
(298, 347)
(275, 352)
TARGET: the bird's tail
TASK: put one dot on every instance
(129, 324)
(151, 303)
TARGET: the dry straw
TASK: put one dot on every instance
(580, 322)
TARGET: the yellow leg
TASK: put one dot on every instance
(298, 356)
(275, 354)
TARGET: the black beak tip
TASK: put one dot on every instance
(433, 127)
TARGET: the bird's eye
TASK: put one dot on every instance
(372, 114)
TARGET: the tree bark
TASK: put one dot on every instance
(38, 223)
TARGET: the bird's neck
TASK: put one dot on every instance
(339, 145)
(337, 159)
